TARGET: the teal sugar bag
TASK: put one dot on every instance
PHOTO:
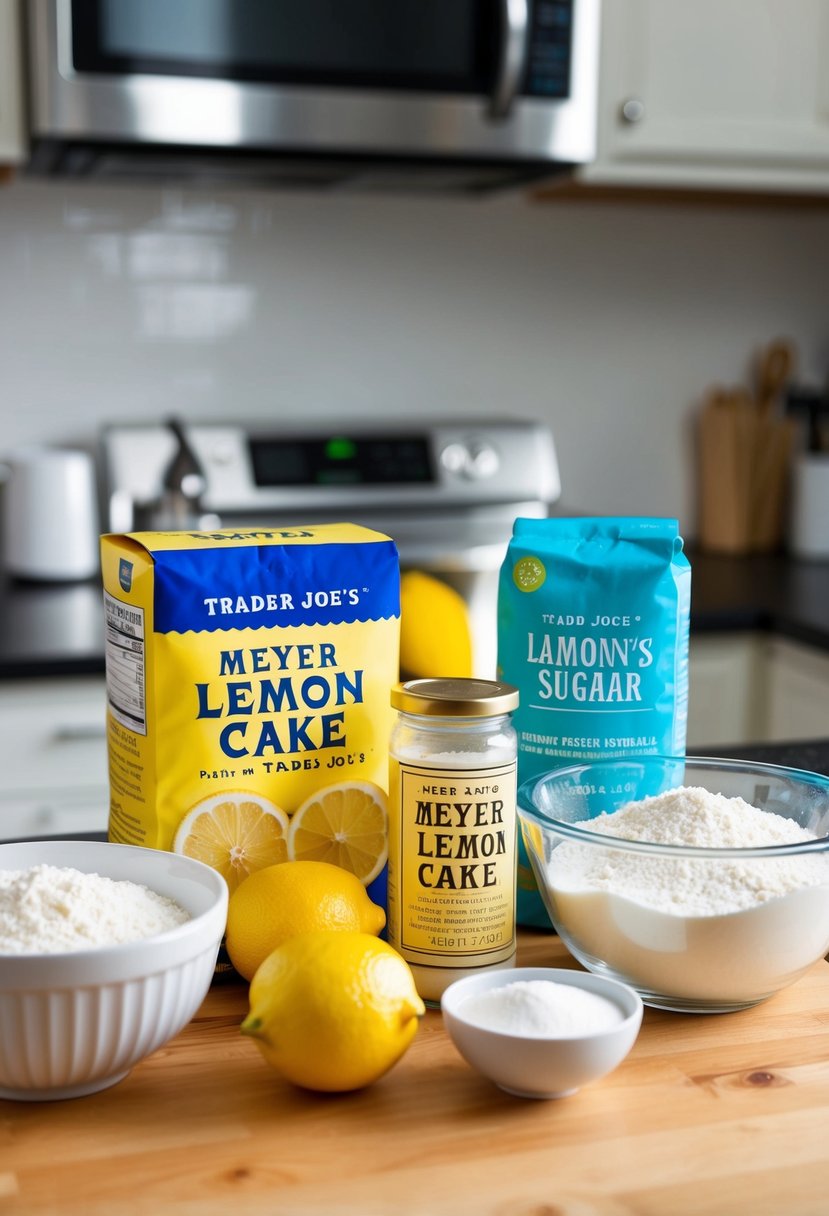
(593, 618)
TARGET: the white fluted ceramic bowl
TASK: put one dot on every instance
(76, 1022)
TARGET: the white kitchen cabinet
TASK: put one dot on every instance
(726, 690)
(12, 110)
(716, 93)
(53, 758)
(798, 691)
(755, 688)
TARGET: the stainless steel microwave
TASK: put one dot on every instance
(481, 92)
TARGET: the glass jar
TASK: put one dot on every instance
(452, 829)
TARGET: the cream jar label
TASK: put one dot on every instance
(452, 868)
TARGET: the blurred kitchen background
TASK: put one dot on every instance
(601, 275)
(606, 318)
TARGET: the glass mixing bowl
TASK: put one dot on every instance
(696, 929)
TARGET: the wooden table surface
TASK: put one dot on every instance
(718, 1115)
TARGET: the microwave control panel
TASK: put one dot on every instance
(550, 50)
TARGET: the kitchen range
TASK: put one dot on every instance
(446, 491)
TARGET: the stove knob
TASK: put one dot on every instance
(454, 458)
(472, 461)
(482, 461)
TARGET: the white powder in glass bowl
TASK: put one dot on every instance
(51, 910)
(701, 929)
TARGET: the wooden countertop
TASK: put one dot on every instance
(710, 1116)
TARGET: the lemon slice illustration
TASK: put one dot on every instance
(235, 833)
(344, 824)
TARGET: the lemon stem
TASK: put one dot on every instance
(252, 1026)
(411, 1010)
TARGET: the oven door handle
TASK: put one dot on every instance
(512, 56)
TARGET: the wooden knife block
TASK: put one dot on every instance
(744, 458)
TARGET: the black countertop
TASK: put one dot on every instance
(809, 754)
(56, 629)
(771, 592)
(50, 629)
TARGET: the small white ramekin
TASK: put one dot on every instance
(535, 1066)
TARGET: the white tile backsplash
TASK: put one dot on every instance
(609, 321)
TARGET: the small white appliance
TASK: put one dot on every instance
(50, 514)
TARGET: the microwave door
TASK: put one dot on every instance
(473, 48)
(451, 80)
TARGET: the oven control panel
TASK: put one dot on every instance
(250, 470)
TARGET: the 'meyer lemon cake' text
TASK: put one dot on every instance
(247, 680)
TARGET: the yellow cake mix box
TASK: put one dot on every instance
(248, 677)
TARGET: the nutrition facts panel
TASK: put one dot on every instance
(125, 652)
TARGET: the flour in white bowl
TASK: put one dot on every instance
(52, 909)
(718, 929)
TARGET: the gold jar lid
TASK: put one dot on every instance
(455, 697)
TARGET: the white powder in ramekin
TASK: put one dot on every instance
(541, 1009)
(699, 928)
(52, 909)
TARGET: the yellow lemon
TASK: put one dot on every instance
(435, 638)
(333, 1011)
(296, 897)
(347, 825)
(235, 833)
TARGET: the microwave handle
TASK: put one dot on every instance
(511, 57)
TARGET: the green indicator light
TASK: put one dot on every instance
(340, 448)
